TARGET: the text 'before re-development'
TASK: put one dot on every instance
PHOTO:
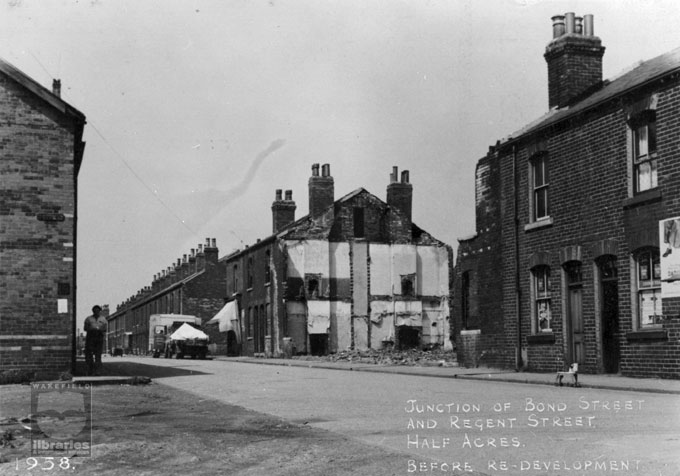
(468, 426)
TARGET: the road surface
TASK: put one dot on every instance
(441, 425)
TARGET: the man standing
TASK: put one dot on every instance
(95, 326)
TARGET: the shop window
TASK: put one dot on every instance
(648, 277)
(540, 280)
(644, 153)
(540, 181)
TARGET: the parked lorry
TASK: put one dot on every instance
(163, 325)
(187, 341)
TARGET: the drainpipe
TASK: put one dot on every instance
(518, 292)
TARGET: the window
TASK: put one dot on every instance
(540, 182)
(648, 287)
(313, 283)
(358, 222)
(250, 272)
(644, 154)
(408, 285)
(541, 295)
(267, 267)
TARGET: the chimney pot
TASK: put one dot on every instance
(315, 170)
(394, 176)
(326, 170)
(193, 252)
(200, 248)
(214, 243)
(588, 25)
(207, 242)
(289, 195)
(569, 20)
(404, 176)
(56, 87)
(278, 194)
(578, 25)
(558, 26)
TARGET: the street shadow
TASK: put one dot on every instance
(134, 369)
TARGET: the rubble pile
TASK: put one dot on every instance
(407, 357)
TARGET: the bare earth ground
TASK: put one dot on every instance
(153, 430)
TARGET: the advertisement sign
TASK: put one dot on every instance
(669, 236)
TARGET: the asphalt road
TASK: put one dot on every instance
(442, 425)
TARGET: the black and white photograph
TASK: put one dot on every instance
(340, 237)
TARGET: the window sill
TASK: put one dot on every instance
(542, 338)
(542, 223)
(647, 335)
(648, 196)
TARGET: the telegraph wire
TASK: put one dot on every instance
(141, 180)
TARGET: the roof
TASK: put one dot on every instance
(154, 295)
(40, 91)
(641, 74)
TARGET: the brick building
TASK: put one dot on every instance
(355, 273)
(573, 259)
(41, 149)
(194, 285)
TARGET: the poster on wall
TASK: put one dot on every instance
(669, 235)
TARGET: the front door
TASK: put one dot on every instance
(576, 345)
(611, 352)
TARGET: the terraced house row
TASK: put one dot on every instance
(575, 258)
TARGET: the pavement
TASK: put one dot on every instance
(433, 369)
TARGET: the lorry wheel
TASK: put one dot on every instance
(179, 356)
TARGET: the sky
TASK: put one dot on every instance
(198, 110)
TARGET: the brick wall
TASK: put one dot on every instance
(589, 204)
(37, 232)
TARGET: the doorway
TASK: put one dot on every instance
(609, 285)
(576, 343)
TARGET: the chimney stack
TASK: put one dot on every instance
(283, 211)
(574, 58)
(400, 194)
(56, 87)
(321, 190)
(210, 251)
(399, 198)
(200, 258)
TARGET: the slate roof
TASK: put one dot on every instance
(40, 91)
(644, 73)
